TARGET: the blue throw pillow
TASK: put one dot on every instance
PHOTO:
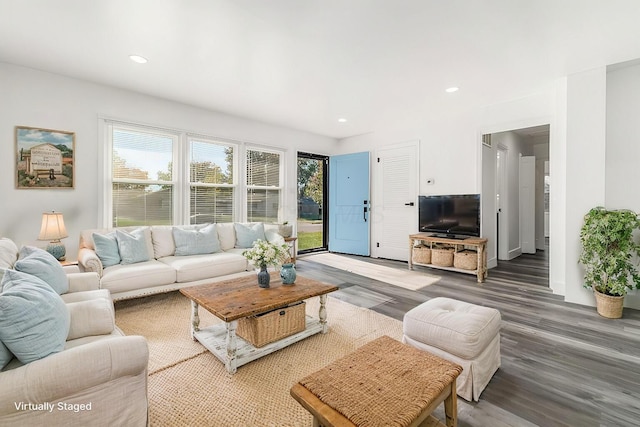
(42, 264)
(194, 242)
(34, 321)
(107, 248)
(5, 355)
(246, 235)
(132, 246)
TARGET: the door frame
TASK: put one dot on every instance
(325, 198)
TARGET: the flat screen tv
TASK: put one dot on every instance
(454, 216)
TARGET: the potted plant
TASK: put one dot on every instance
(608, 252)
(285, 229)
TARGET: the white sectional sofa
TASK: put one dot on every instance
(167, 265)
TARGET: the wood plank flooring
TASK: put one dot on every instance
(562, 364)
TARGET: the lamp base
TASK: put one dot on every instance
(57, 249)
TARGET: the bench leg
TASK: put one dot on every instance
(451, 406)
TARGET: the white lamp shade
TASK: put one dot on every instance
(52, 227)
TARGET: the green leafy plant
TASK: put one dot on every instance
(608, 251)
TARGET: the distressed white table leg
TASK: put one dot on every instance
(232, 347)
(195, 319)
(322, 313)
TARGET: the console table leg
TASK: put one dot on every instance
(322, 313)
(232, 347)
(195, 319)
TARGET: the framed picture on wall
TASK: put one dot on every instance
(44, 158)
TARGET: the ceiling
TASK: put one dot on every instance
(381, 64)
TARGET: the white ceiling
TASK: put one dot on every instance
(382, 64)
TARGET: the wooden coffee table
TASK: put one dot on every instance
(230, 300)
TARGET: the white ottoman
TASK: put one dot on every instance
(464, 333)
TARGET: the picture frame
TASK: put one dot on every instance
(45, 158)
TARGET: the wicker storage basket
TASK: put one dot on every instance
(442, 257)
(265, 328)
(466, 260)
(422, 254)
(609, 306)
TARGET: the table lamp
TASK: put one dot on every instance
(53, 230)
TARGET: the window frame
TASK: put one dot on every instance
(181, 168)
(281, 178)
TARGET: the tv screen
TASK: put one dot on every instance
(451, 215)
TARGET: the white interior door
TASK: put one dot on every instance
(528, 204)
(394, 206)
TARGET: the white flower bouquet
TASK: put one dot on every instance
(265, 253)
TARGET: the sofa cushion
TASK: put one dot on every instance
(196, 242)
(132, 246)
(226, 235)
(162, 238)
(91, 317)
(247, 234)
(8, 253)
(129, 277)
(197, 267)
(40, 263)
(107, 248)
(34, 321)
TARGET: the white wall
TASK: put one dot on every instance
(585, 168)
(38, 99)
(622, 172)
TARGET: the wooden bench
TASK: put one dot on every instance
(383, 381)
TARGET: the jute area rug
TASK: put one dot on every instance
(188, 386)
(406, 279)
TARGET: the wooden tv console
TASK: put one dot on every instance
(480, 245)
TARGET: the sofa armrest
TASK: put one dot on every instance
(91, 317)
(88, 261)
(73, 371)
(80, 282)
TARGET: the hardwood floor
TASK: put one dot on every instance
(562, 364)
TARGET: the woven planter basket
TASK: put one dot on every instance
(466, 260)
(442, 257)
(609, 306)
(422, 254)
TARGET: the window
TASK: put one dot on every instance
(211, 180)
(142, 185)
(165, 177)
(263, 185)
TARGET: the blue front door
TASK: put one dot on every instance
(349, 203)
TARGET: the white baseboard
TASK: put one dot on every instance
(514, 253)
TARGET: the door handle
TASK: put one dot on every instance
(409, 204)
(364, 213)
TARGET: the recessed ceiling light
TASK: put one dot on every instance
(139, 59)
(452, 89)
(342, 120)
